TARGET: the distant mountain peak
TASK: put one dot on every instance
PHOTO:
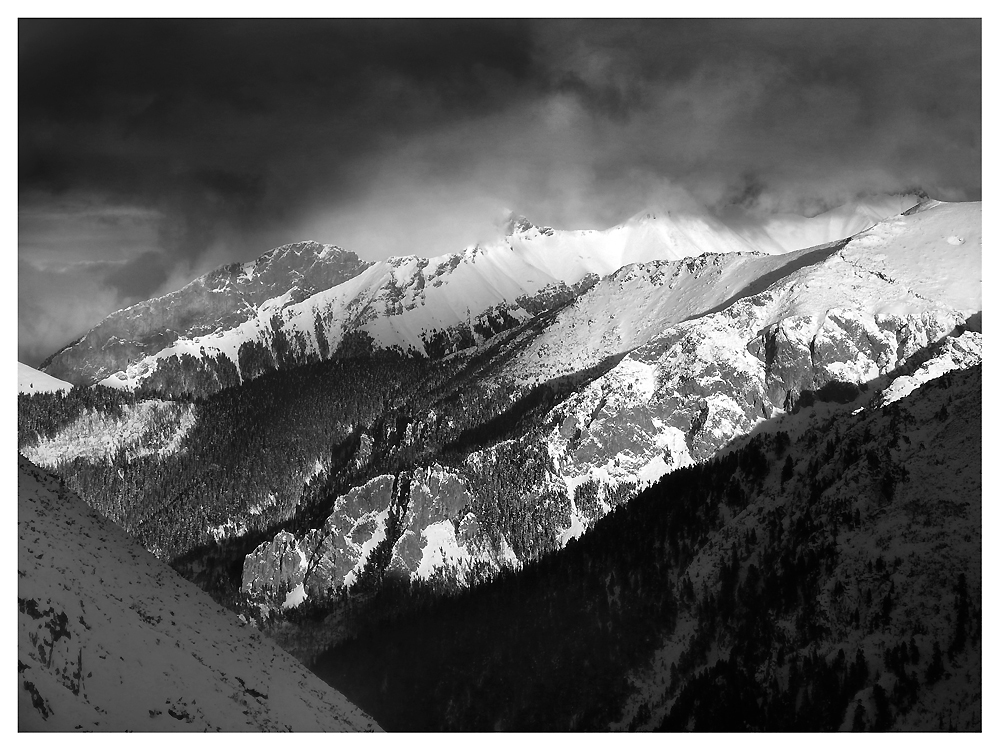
(513, 223)
(318, 250)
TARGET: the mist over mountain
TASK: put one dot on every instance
(468, 375)
(691, 464)
(394, 137)
(294, 304)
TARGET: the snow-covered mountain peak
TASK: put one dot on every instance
(517, 224)
(306, 300)
(302, 255)
(307, 248)
(217, 301)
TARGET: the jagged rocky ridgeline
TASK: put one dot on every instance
(726, 344)
(825, 580)
(112, 639)
(659, 364)
(307, 301)
(556, 374)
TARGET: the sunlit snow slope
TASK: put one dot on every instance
(218, 301)
(233, 328)
(30, 380)
(904, 294)
(111, 639)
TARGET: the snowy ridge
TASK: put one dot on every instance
(711, 349)
(213, 303)
(429, 306)
(30, 380)
(628, 308)
(704, 381)
(111, 639)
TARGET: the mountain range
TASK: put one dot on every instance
(331, 447)
(308, 301)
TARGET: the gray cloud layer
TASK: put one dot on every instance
(162, 148)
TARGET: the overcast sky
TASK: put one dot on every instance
(153, 151)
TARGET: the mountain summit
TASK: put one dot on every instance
(218, 301)
(812, 414)
(512, 224)
(308, 301)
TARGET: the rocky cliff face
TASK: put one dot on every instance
(720, 346)
(423, 523)
(209, 305)
(307, 301)
(873, 309)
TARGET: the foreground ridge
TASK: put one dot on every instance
(111, 639)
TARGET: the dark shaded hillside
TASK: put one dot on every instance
(251, 446)
(833, 583)
(275, 452)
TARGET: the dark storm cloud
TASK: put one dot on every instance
(139, 277)
(191, 143)
(820, 107)
(56, 305)
(236, 120)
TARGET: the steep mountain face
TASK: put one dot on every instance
(817, 580)
(722, 344)
(30, 380)
(424, 520)
(306, 302)
(597, 392)
(111, 639)
(845, 317)
(209, 305)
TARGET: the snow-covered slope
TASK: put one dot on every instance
(111, 639)
(30, 380)
(852, 316)
(232, 326)
(215, 302)
(786, 232)
(628, 308)
(717, 346)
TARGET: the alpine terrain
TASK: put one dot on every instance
(30, 380)
(690, 472)
(111, 639)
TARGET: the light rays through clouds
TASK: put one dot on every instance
(152, 151)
